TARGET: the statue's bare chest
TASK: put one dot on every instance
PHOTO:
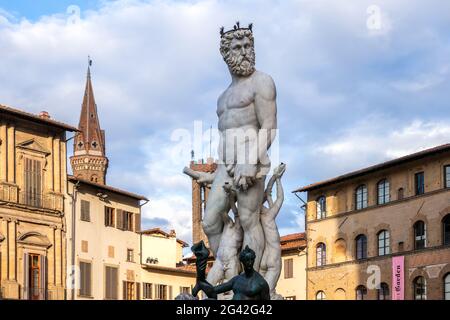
(235, 97)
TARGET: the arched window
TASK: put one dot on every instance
(420, 235)
(320, 295)
(383, 291)
(321, 207)
(361, 293)
(321, 254)
(383, 243)
(447, 287)
(339, 294)
(446, 229)
(383, 192)
(420, 288)
(361, 247)
(361, 197)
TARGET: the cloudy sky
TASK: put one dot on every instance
(358, 82)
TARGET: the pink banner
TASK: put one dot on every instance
(398, 282)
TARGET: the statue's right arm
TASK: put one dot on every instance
(224, 287)
(201, 177)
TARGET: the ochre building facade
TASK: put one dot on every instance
(382, 232)
(32, 191)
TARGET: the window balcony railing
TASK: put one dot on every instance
(47, 201)
(31, 199)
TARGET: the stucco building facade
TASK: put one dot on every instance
(164, 275)
(381, 232)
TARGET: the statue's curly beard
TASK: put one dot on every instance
(241, 65)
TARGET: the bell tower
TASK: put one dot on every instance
(89, 161)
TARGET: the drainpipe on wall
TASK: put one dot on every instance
(73, 196)
(304, 207)
(140, 234)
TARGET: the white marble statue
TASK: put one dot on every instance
(247, 123)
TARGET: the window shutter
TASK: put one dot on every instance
(170, 292)
(151, 291)
(26, 271)
(138, 291)
(106, 216)
(43, 284)
(88, 279)
(137, 222)
(286, 271)
(85, 210)
(38, 183)
(119, 219)
(124, 290)
(108, 283)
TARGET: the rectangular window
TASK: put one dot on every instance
(288, 268)
(420, 183)
(111, 283)
(85, 279)
(85, 210)
(148, 291)
(32, 194)
(130, 255)
(160, 292)
(109, 217)
(127, 221)
(447, 176)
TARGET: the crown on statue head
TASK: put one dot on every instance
(236, 27)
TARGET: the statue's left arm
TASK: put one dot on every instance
(266, 112)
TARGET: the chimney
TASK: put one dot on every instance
(172, 233)
(44, 115)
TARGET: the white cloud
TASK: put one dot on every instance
(367, 144)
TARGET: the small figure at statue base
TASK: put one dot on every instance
(249, 285)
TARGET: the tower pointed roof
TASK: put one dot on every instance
(89, 159)
(91, 140)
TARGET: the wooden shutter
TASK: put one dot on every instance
(150, 291)
(26, 272)
(138, 291)
(120, 219)
(106, 216)
(137, 222)
(124, 290)
(288, 268)
(85, 210)
(108, 283)
(88, 278)
(111, 283)
(43, 284)
(170, 292)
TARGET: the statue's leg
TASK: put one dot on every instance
(249, 206)
(271, 276)
(216, 205)
(216, 273)
(233, 269)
